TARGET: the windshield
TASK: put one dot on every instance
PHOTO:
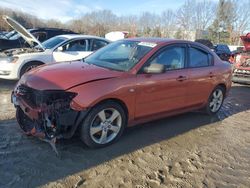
(121, 55)
(52, 42)
(10, 34)
(13, 35)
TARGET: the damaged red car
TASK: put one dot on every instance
(126, 83)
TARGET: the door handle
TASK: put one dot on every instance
(211, 75)
(181, 78)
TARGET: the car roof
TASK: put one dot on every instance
(159, 40)
(166, 41)
(75, 36)
(49, 29)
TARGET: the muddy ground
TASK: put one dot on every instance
(190, 150)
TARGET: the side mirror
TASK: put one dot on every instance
(154, 68)
(60, 49)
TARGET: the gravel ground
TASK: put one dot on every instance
(189, 150)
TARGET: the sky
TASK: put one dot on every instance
(64, 10)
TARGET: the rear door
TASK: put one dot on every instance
(71, 51)
(164, 92)
(201, 72)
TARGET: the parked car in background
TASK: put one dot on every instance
(205, 42)
(116, 35)
(14, 40)
(14, 63)
(222, 50)
(125, 83)
(242, 66)
(3, 34)
(61, 48)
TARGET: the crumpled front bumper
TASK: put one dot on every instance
(31, 112)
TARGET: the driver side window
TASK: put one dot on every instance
(74, 46)
(173, 58)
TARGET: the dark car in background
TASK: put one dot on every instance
(2, 34)
(222, 50)
(14, 40)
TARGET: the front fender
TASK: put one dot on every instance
(92, 93)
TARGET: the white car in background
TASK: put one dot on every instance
(15, 62)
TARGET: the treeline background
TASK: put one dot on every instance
(221, 22)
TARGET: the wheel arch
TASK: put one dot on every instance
(116, 100)
(26, 63)
(223, 85)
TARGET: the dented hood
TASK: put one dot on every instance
(246, 41)
(63, 76)
(27, 36)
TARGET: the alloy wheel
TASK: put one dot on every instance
(105, 126)
(216, 100)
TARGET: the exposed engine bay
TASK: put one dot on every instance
(18, 51)
(47, 114)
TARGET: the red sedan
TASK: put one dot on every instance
(125, 83)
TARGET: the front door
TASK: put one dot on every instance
(164, 92)
(73, 50)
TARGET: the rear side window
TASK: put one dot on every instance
(199, 58)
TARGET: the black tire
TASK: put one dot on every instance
(209, 110)
(28, 66)
(93, 116)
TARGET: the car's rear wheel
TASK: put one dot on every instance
(104, 125)
(215, 100)
(27, 67)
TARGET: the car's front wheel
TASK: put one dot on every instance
(104, 125)
(215, 100)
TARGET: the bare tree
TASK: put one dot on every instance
(193, 16)
(185, 19)
(241, 20)
(203, 14)
(168, 23)
(147, 23)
